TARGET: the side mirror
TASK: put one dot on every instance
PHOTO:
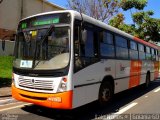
(3, 45)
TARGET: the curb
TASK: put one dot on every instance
(7, 101)
(5, 96)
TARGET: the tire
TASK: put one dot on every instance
(147, 84)
(105, 93)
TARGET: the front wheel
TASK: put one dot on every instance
(105, 93)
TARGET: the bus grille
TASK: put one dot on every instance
(36, 84)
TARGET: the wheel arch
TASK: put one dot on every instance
(110, 79)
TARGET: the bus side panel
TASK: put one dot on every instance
(151, 68)
(86, 94)
(88, 80)
(143, 72)
(156, 72)
(135, 73)
(148, 66)
(122, 75)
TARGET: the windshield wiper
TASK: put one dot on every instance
(49, 31)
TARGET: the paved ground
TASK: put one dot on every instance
(124, 106)
(5, 96)
(5, 92)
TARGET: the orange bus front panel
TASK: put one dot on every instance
(56, 100)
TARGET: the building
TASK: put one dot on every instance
(12, 11)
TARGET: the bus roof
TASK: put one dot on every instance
(97, 23)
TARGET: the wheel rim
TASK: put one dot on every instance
(106, 94)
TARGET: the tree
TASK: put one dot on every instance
(148, 28)
(102, 10)
(129, 4)
(118, 22)
(144, 27)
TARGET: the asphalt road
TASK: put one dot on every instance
(137, 103)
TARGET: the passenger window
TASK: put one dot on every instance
(121, 47)
(133, 45)
(89, 45)
(148, 50)
(121, 53)
(141, 47)
(86, 49)
(148, 53)
(153, 54)
(107, 38)
(121, 42)
(107, 50)
(133, 50)
(142, 55)
(106, 45)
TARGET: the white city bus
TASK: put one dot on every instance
(64, 59)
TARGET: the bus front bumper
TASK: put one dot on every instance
(56, 100)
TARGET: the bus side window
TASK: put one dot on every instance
(85, 46)
(77, 50)
(121, 47)
(106, 46)
(142, 55)
(153, 54)
(133, 50)
(89, 45)
(148, 53)
(156, 55)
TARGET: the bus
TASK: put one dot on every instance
(65, 59)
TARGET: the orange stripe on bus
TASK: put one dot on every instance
(43, 100)
(135, 71)
(156, 70)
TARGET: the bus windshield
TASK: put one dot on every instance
(42, 49)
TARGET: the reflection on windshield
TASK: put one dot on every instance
(33, 53)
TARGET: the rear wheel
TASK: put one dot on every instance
(147, 80)
(105, 93)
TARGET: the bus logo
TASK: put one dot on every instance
(33, 81)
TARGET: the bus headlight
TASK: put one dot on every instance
(63, 85)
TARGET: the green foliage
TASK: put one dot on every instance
(6, 67)
(129, 4)
(102, 10)
(145, 27)
(118, 22)
(140, 17)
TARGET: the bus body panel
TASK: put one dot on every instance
(40, 84)
(130, 74)
(86, 86)
(55, 100)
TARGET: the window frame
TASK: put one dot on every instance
(102, 42)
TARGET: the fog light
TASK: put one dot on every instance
(63, 86)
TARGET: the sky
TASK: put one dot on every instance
(152, 5)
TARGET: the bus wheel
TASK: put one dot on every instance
(105, 93)
(147, 80)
